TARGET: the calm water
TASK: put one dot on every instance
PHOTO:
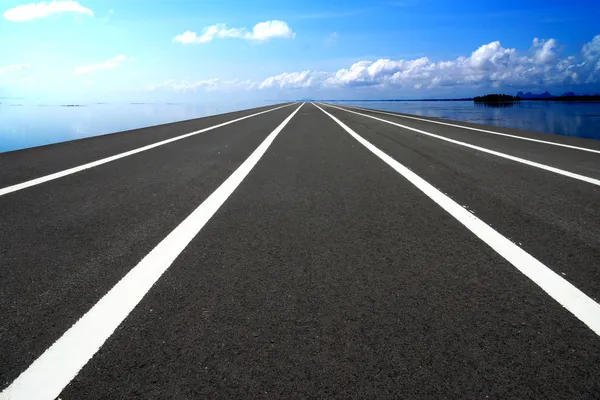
(27, 124)
(571, 119)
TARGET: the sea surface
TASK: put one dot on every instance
(26, 124)
(579, 119)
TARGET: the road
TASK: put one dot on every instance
(302, 250)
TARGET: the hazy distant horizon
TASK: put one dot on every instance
(220, 100)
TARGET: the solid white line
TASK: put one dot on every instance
(479, 130)
(60, 174)
(483, 149)
(60, 363)
(571, 298)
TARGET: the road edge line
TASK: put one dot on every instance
(92, 164)
(50, 373)
(549, 168)
(478, 130)
(562, 291)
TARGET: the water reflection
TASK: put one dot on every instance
(570, 119)
(25, 125)
(494, 105)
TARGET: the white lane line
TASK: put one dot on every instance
(479, 130)
(61, 362)
(60, 174)
(571, 298)
(483, 149)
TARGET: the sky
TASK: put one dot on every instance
(182, 50)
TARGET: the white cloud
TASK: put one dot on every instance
(591, 50)
(261, 32)
(43, 9)
(270, 29)
(215, 31)
(491, 65)
(292, 80)
(544, 50)
(112, 63)
(186, 37)
(14, 68)
(492, 56)
(380, 72)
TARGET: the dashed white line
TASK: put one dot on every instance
(60, 174)
(61, 362)
(482, 149)
(480, 130)
(574, 300)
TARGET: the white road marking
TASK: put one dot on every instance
(571, 298)
(483, 149)
(479, 130)
(60, 174)
(47, 376)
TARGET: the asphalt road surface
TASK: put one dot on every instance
(302, 251)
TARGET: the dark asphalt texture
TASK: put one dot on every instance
(22, 165)
(571, 160)
(65, 243)
(325, 274)
(556, 218)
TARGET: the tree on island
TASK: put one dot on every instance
(496, 98)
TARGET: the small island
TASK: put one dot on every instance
(497, 99)
(569, 96)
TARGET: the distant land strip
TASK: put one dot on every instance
(523, 96)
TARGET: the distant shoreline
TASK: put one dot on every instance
(381, 100)
(585, 99)
(592, 99)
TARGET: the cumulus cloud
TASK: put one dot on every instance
(261, 32)
(544, 50)
(112, 63)
(491, 65)
(293, 80)
(270, 29)
(44, 9)
(591, 50)
(491, 56)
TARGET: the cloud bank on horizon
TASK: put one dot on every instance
(178, 61)
(491, 65)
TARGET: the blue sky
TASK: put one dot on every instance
(180, 50)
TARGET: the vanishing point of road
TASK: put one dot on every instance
(303, 250)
